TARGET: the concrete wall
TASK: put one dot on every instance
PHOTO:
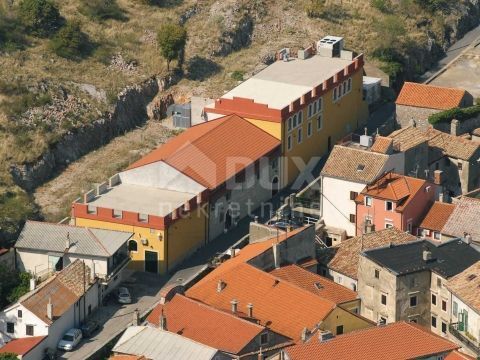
(162, 176)
(339, 278)
(298, 247)
(245, 197)
(416, 161)
(405, 289)
(11, 315)
(404, 115)
(341, 317)
(442, 294)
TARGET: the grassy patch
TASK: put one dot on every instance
(101, 10)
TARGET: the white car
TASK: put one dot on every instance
(70, 339)
(123, 296)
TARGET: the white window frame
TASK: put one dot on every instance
(334, 94)
(349, 84)
(386, 202)
(314, 111)
(294, 117)
(320, 104)
(300, 118)
(437, 235)
(319, 122)
(299, 135)
(290, 127)
(388, 225)
(368, 201)
(309, 129)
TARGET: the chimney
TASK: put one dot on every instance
(276, 254)
(221, 285)
(163, 322)
(136, 318)
(250, 310)
(50, 309)
(232, 252)
(468, 238)
(438, 177)
(427, 255)
(67, 241)
(304, 335)
(33, 284)
(234, 304)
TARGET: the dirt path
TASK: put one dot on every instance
(56, 196)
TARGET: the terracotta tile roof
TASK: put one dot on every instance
(466, 286)
(429, 96)
(344, 258)
(354, 164)
(64, 289)
(21, 346)
(314, 283)
(3, 251)
(397, 188)
(249, 252)
(457, 355)
(476, 132)
(206, 325)
(205, 152)
(452, 146)
(397, 341)
(464, 219)
(437, 216)
(407, 138)
(382, 145)
(278, 304)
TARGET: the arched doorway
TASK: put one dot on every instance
(228, 220)
(274, 186)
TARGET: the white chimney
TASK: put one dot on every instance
(67, 241)
(33, 284)
(234, 304)
(136, 318)
(50, 309)
(221, 285)
(250, 310)
(427, 255)
(468, 239)
(163, 321)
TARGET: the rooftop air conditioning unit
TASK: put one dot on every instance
(324, 335)
(366, 141)
(333, 43)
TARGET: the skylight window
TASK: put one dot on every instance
(360, 167)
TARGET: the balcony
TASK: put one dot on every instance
(467, 340)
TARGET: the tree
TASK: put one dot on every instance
(8, 356)
(70, 42)
(40, 17)
(22, 287)
(171, 40)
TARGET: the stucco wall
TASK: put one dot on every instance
(442, 294)
(473, 318)
(341, 317)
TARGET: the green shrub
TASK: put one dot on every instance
(460, 114)
(382, 5)
(11, 37)
(238, 75)
(8, 356)
(21, 99)
(40, 17)
(171, 39)
(101, 10)
(434, 5)
(70, 42)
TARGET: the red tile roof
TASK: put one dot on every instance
(213, 152)
(382, 145)
(316, 284)
(429, 96)
(457, 355)
(437, 216)
(278, 304)
(3, 251)
(398, 188)
(21, 346)
(206, 325)
(397, 341)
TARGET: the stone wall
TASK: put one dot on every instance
(456, 127)
(129, 111)
(420, 115)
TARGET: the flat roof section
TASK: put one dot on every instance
(142, 199)
(285, 81)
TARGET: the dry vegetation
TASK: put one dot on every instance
(402, 26)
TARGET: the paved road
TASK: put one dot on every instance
(116, 318)
(453, 51)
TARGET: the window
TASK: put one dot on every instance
(29, 330)
(413, 320)
(352, 218)
(459, 166)
(434, 322)
(314, 107)
(10, 327)
(339, 329)
(353, 195)
(377, 274)
(368, 201)
(319, 122)
(19, 314)
(444, 305)
(309, 129)
(383, 299)
(349, 84)
(309, 110)
(444, 327)
(300, 117)
(264, 339)
(117, 214)
(409, 227)
(289, 142)
(289, 123)
(388, 225)
(339, 91)
(388, 205)
(455, 308)
(354, 288)
(299, 136)
(274, 164)
(382, 320)
(434, 299)
(436, 235)
(335, 94)
(295, 120)
(439, 283)
(339, 280)
(344, 87)
(320, 104)
(143, 217)
(132, 246)
(91, 209)
(413, 301)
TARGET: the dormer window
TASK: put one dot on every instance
(360, 167)
(388, 205)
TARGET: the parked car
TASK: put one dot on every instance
(70, 339)
(89, 327)
(123, 296)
